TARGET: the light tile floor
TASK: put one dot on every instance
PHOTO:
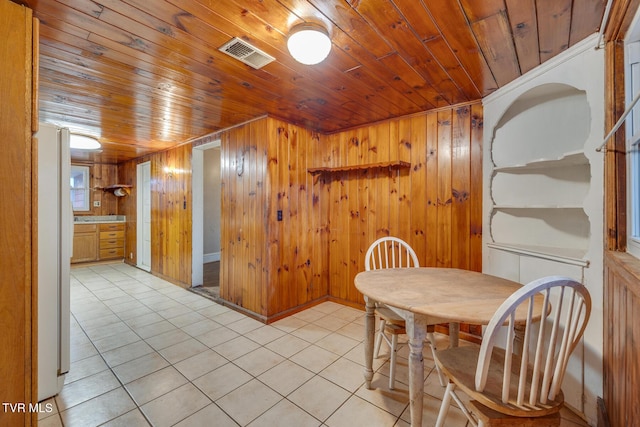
(146, 352)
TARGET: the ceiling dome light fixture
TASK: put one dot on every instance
(309, 43)
(83, 142)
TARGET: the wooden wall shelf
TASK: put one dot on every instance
(116, 187)
(394, 165)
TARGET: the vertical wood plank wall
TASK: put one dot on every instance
(102, 175)
(435, 205)
(18, 216)
(171, 212)
(271, 267)
(621, 369)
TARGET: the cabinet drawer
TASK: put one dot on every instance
(112, 253)
(85, 228)
(111, 227)
(111, 243)
(109, 235)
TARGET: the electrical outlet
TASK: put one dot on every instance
(96, 203)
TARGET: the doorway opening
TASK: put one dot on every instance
(206, 186)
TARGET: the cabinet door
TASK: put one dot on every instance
(85, 247)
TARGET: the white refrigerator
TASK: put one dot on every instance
(55, 237)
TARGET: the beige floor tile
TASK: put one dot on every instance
(153, 329)
(258, 361)
(85, 389)
(167, 339)
(115, 341)
(359, 412)
(187, 318)
(310, 315)
(264, 334)
(105, 331)
(217, 336)
(336, 343)
(137, 322)
(174, 311)
(85, 368)
(221, 381)
(200, 364)
(285, 413)
(209, 416)
(154, 385)
(314, 358)
(285, 377)
(81, 350)
(99, 409)
(127, 353)
(353, 331)
(213, 310)
(319, 397)
(394, 401)
(344, 373)
(50, 421)
(311, 332)
(229, 316)
(183, 350)
(331, 322)
(289, 324)
(248, 401)
(245, 325)
(201, 327)
(430, 409)
(175, 406)
(236, 347)
(130, 419)
(138, 368)
(288, 345)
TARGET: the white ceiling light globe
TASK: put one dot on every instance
(83, 142)
(309, 44)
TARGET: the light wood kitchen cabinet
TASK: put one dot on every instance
(111, 241)
(85, 243)
(98, 242)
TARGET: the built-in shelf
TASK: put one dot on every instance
(116, 189)
(575, 158)
(394, 165)
(566, 255)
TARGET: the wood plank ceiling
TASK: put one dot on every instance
(146, 75)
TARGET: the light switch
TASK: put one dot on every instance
(96, 203)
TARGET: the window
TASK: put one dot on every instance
(80, 188)
(632, 81)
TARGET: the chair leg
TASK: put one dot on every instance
(432, 344)
(379, 338)
(446, 402)
(392, 362)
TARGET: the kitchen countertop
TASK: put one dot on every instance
(94, 219)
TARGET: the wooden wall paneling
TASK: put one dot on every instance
(250, 290)
(352, 227)
(235, 214)
(475, 195)
(401, 185)
(226, 193)
(127, 174)
(403, 224)
(366, 202)
(282, 283)
(414, 199)
(621, 369)
(18, 220)
(443, 258)
(257, 234)
(431, 194)
(460, 187)
(385, 185)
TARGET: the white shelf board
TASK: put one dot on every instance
(574, 158)
(572, 256)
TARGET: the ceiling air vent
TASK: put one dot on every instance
(246, 53)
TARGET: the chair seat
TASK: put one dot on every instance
(461, 362)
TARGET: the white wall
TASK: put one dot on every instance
(581, 67)
(211, 220)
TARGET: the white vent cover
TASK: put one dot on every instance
(246, 53)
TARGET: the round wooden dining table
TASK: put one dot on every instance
(429, 296)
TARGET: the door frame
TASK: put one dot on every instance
(139, 214)
(197, 212)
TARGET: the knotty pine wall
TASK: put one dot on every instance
(171, 213)
(271, 267)
(101, 175)
(435, 205)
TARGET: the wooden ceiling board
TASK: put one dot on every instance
(145, 75)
